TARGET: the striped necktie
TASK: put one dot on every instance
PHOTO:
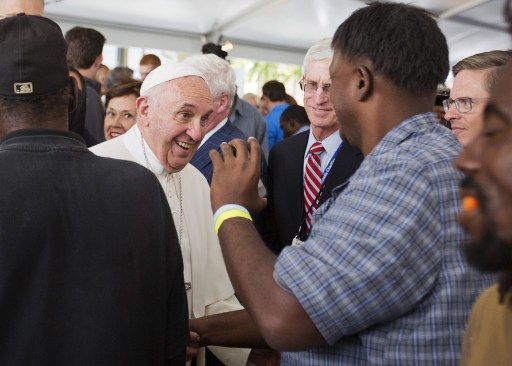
(312, 182)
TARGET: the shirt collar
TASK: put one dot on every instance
(404, 130)
(132, 140)
(302, 129)
(330, 144)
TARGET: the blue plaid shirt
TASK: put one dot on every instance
(382, 274)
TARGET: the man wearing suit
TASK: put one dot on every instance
(221, 79)
(285, 215)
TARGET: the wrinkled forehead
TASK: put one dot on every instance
(318, 68)
(190, 90)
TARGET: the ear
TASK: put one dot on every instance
(142, 105)
(224, 101)
(365, 83)
(73, 100)
(98, 61)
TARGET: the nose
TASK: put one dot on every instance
(117, 120)
(452, 113)
(321, 96)
(196, 131)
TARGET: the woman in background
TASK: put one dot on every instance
(120, 109)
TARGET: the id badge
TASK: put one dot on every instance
(297, 242)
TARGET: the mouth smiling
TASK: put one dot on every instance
(319, 109)
(184, 145)
(114, 132)
(456, 130)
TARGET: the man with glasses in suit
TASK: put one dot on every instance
(294, 191)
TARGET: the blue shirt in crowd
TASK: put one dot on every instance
(274, 132)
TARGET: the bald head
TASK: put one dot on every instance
(13, 7)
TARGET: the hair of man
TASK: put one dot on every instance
(218, 73)
(493, 60)
(295, 113)
(376, 33)
(216, 49)
(150, 59)
(274, 90)
(118, 75)
(84, 46)
(49, 111)
(321, 50)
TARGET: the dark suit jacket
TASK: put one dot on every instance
(201, 160)
(285, 208)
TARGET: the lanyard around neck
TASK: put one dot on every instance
(328, 168)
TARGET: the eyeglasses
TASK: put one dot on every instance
(463, 105)
(310, 87)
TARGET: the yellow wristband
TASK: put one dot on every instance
(229, 214)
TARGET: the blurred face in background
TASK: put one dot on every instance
(120, 115)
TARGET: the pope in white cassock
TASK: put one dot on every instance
(172, 112)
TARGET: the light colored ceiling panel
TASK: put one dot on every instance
(272, 30)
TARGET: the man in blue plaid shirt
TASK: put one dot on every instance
(381, 279)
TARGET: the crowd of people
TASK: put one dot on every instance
(167, 220)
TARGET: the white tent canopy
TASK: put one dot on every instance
(270, 30)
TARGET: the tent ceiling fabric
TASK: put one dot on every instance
(271, 30)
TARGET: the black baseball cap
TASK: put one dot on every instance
(33, 53)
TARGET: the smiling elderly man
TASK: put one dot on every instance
(173, 110)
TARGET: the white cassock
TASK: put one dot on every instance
(209, 290)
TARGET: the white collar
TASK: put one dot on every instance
(132, 140)
(330, 144)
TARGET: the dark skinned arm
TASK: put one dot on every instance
(231, 329)
(278, 315)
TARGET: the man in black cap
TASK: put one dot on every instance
(90, 267)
